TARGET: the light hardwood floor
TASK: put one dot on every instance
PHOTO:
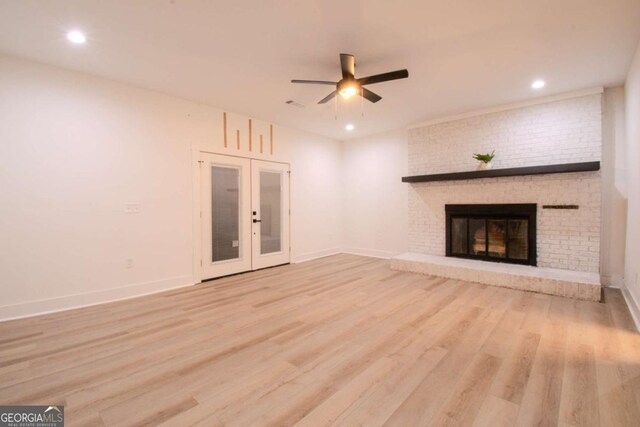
(342, 340)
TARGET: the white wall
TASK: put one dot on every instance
(614, 195)
(632, 113)
(76, 149)
(316, 194)
(375, 199)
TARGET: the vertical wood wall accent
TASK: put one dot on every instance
(224, 127)
(231, 123)
(270, 139)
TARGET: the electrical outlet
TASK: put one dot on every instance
(132, 208)
(128, 263)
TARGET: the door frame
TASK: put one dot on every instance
(196, 237)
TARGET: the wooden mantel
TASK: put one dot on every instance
(494, 173)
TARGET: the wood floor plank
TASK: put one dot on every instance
(514, 374)
(330, 409)
(342, 341)
(470, 393)
(541, 400)
(376, 406)
(496, 412)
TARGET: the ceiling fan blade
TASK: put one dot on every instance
(370, 96)
(348, 65)
(314, 82)
(328, 97)
(384, 77)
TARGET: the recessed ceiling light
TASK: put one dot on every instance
(349, 127)
(538, 84)
(76, 37)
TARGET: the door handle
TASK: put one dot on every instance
(257, 220)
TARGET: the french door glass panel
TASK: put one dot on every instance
(225, 213)
(270, 195)
(226, 217)
(270, 212)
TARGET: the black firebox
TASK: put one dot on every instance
(501, 233)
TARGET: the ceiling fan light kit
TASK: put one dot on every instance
(350, 86)
(347, 88)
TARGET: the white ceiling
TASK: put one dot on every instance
(240, 55)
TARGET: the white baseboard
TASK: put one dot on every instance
(315, 255)
(70, 302)
(375, 253)
(634, 308)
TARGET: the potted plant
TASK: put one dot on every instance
(484, 159)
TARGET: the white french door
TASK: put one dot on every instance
(244, 214)
(270, 213)
(225, 211)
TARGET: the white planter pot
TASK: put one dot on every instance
(484, 166)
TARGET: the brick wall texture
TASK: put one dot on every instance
(565, 131)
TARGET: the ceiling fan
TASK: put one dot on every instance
(349, 85)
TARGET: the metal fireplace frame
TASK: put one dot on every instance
(495, 211)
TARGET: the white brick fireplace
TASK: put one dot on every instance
(559, 132)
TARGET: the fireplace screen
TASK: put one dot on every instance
(503, 233)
